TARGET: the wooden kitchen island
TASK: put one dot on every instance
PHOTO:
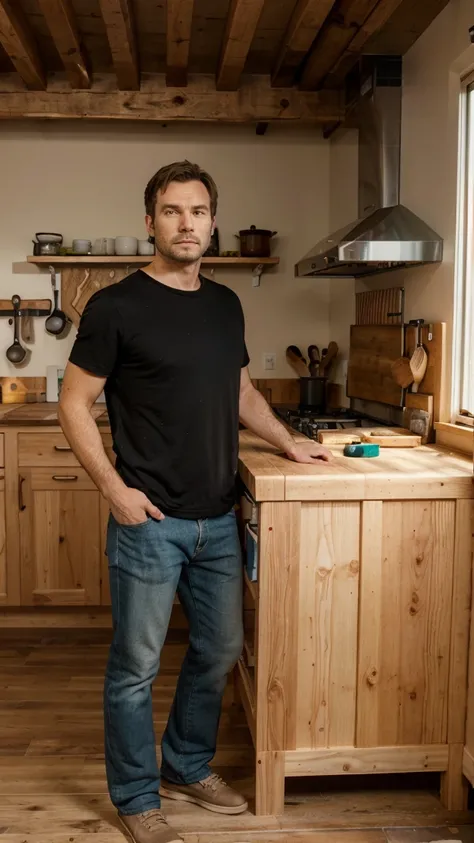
(357, 630)
(359, 650)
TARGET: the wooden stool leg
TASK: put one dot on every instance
(270, 784)
(454, 787)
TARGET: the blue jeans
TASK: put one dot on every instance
(148, 563)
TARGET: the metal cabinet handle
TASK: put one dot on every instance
(65, 477)
(62, 448)
(21, 503)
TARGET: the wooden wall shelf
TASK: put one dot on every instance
(257, 265)
(139, 260)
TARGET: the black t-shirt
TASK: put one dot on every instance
(172, 360)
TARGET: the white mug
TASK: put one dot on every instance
(145, 248)
(126, 245)
(110, 245)
(99, 246)
(81, 247)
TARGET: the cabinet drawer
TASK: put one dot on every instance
(51, 478)
(2, 450)
(36, 449)
(40, 449)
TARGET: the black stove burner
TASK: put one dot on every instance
(310, 422)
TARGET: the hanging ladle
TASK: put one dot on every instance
(56, 321)
(16, 353)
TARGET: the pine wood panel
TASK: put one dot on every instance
(45, 449)
(61, 21)
(18, 42)
(352, 760)
(242, 22)
(335, 37)
(406, 586)
(279, 546)
(119, 23)
(3, 549)
(178, 39)
(255, 101)
(305, 24)
(2, 450)
(59, 541)
(105, 598)
(327, 619)
(11, 514)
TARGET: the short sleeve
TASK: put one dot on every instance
(246, 358)
(97, 344)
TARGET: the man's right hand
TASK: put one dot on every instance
(133, 507)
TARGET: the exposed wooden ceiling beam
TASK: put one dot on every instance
(374, 23)
(178, 39)
(405, 26)
(305, 23)
(254, 102)
(336, 35)
(242, 23)
(118, 19)
(59, 16)
(19, 43)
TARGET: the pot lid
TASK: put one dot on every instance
(253, 230)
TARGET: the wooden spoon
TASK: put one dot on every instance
(402, 373)
(418, 365)
(297, 363)
(326, 361)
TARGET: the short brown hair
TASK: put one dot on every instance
(180, 171)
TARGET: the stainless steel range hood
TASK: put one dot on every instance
(387, 235)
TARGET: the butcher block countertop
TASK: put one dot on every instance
(397, 474)
(427, 472)
(17, 415)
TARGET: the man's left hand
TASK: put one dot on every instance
(310, 452)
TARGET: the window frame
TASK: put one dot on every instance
(463, 340)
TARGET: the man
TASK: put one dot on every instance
(168, 347)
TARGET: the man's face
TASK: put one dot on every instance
(183, 222)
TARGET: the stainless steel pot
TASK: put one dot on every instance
(313, 394)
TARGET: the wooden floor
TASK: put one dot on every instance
(52, 780)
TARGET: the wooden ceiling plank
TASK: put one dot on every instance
(118, 19)
(374, 24)
(61, 22)
(254, 102)
(19, 43)
(334, 38)
(242, 22)
(305, 24)
(407, 24)
(178, 39)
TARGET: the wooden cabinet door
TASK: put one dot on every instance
(104, 568)
(60, 537)
(3, 555)
(406, 605)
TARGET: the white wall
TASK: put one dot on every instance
(431, 71)
(87, 181)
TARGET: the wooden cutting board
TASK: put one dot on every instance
(373, 349)
(380, 307)
(386, 437)
(22, 390)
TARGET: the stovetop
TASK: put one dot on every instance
(309, 422)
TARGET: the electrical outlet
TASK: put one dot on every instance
(269, 361)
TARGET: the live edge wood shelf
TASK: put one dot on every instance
(360, 639)
(138, 260)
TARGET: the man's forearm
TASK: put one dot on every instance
(256, 414)
(85, 440)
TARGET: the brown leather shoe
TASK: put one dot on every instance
(211, 793)
(149, 827)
